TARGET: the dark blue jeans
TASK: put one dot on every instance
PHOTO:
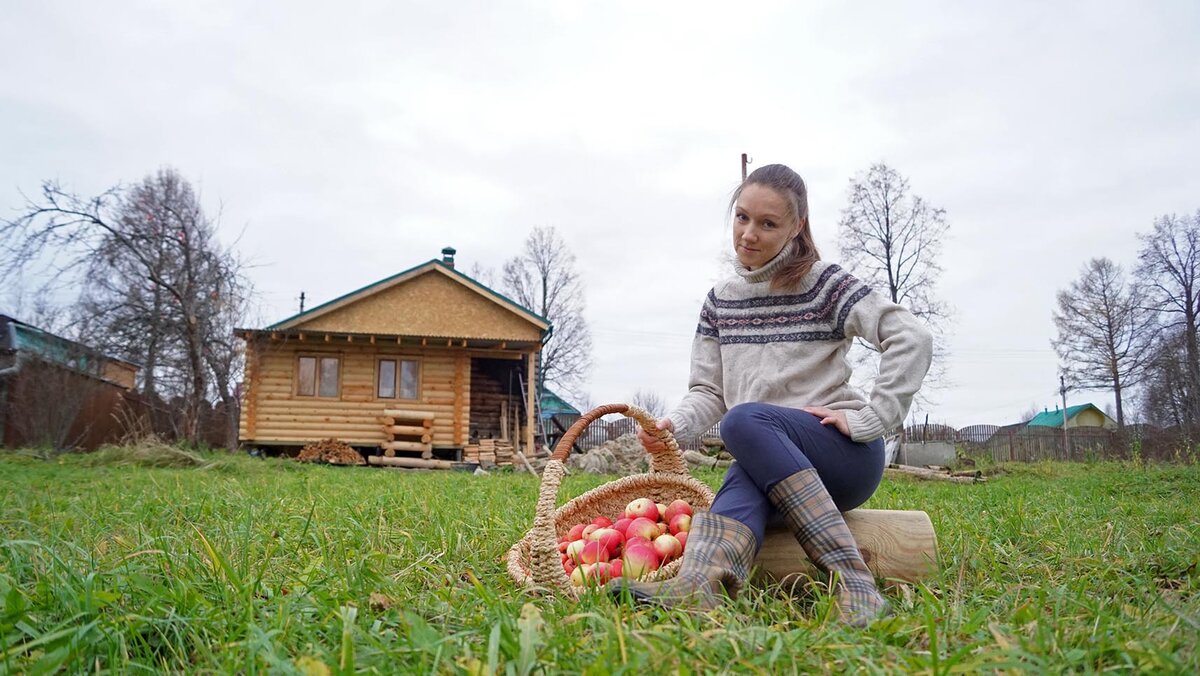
(771, 443)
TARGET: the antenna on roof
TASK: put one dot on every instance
(301, 302)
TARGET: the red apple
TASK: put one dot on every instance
(682, 537)
(667, 547)
(622, 524)
(610, 538)
(569, 566)
(614, 568)
(589, 529)
(638, 540)
(642, 507)
(576, 532)
(575, 548)
(562, 546)
(602, 521)
(593, 552)
(682, 523)
(676, 508)
(643, 528)
(639, 561)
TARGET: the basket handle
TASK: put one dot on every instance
(669, 460)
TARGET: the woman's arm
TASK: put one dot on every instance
(906, 349)
(704, 403)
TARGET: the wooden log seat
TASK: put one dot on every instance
(896, 545)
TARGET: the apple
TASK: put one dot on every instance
(569, 566)
(667, 547)
(602, 572)
(662, 527)
(622, 524)
(576, 532)
(579, 576)
(642, 507)
(575, 548)
(639, 561)
(610, 538)
(638, 540)
(682, 523)
(562, 546)
(614, 568)
(662, 509)
(676, 508)
(593, 552)
(589, 529)
(602, 521)
(682, 537)
(642, 527)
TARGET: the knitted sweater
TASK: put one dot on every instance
(755, 344)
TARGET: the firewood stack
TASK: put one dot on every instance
(332, 451)
(489, 452)
(407, 431)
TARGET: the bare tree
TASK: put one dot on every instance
(1104, 331)
(1165, 398)
(651, 401)
(1030, 413)
(543, 279)
(1170, 267)
(892, 240)
(161, 291)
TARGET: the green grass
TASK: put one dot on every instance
(270, 566)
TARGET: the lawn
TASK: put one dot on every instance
(253, 565)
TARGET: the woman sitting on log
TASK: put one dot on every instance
(769, 361)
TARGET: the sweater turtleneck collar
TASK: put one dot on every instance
(762, 274)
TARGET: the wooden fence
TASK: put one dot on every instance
(1017, 443)
(607, 429)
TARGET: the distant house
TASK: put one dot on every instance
(551, 405)
(57, 392)
(428, 343)
(1083, 415)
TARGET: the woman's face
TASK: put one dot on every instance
(762, 225)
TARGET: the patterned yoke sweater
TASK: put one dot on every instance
(789, 348)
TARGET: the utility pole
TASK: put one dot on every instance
(1062, 389)
(745, 161)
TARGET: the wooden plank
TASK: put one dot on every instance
(895, 545)
(417, 463)
(409, 414)
(405, 446)
(412, 430)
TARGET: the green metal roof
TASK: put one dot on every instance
(553, 405)
(1055, 418)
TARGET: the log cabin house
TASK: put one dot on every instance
(428, 355)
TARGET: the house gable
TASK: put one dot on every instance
(430, 300)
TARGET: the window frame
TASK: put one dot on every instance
(399, 359)
(318, 356)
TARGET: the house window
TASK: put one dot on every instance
(398, 379)
(318, 376)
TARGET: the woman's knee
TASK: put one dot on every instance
(742, 423)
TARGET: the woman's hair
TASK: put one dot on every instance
(801, 252)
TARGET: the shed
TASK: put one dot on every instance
(1083, 415)
(427, 344)
(55, 391)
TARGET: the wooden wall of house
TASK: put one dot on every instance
(273, 414)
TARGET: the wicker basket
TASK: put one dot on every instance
(534, 561)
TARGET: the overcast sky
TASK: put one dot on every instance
(344, 142)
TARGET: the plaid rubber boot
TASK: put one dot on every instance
(718, 555)
(824, 536)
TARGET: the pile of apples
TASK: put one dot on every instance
(647, 536)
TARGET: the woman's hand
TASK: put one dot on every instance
(652, 443)
(829, 416)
